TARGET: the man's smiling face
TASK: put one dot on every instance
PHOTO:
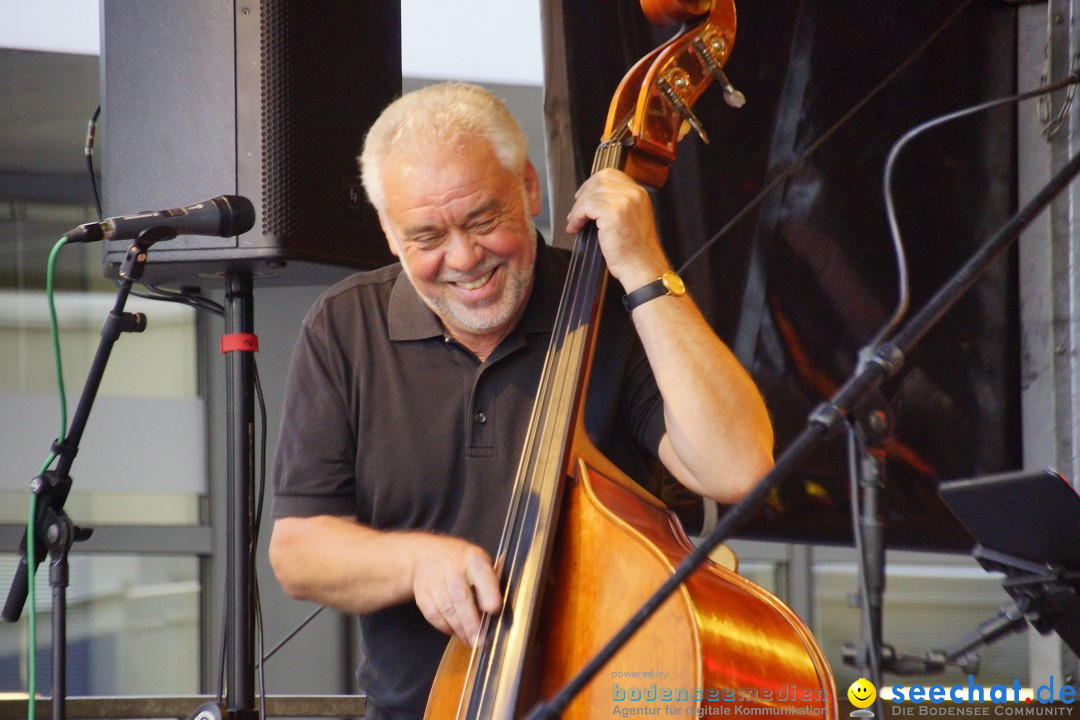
(461, 224)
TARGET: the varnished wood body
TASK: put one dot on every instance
(721, 640)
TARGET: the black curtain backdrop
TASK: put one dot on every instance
(808, 277)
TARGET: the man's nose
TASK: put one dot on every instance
(463, 252)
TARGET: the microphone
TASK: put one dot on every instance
(223, 216)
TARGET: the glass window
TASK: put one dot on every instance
(132, 628)
(134, 617)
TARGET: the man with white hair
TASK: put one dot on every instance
(412, 385)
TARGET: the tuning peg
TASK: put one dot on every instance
(684, 109)
(732, 96)
(707, 52)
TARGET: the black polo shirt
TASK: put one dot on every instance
(389, 419)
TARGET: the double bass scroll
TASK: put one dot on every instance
(651, 110)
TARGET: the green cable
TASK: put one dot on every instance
(32, 516)
(56, 341)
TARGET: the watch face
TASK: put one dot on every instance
(673, 283)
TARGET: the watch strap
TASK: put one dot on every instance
(644, 294)
(667, 284)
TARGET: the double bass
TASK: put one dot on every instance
(583, 545)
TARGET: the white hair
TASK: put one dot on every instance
(443, 115)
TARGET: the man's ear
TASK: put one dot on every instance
(532, 188)
(389, 236)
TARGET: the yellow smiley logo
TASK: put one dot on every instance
(861, 693)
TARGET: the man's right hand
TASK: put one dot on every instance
(338, 562)
(453, 583)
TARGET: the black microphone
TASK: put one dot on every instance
(223, 216)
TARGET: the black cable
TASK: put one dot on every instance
(262, 453)
(196, 302)
(91, 128)
(259, 643)
(890, 163)
(303, 623)
(260, 637)
(260, 633)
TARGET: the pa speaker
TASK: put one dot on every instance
(269, 99)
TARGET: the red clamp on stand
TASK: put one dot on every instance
(243, 342)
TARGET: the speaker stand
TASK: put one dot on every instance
(239, 345)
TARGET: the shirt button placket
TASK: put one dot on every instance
(482, 401)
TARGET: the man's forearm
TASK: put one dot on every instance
(341, 563)
(338, 562)
(719, 438)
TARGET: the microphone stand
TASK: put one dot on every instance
(867, 432)
(882, 362)
(868, 429)
(53, 530)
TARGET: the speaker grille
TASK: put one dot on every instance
(279, 144)
(315, 110)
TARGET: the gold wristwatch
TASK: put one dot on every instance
(667, 284)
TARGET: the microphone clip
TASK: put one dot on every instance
(135, 261)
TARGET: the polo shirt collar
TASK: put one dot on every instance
(411, 319)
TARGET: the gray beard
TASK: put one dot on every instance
(485, 318)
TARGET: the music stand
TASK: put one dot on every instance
(1027, 526)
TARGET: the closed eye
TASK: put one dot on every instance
(484, 226)
(427, 240)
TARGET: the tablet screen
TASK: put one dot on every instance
(1030, 514)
